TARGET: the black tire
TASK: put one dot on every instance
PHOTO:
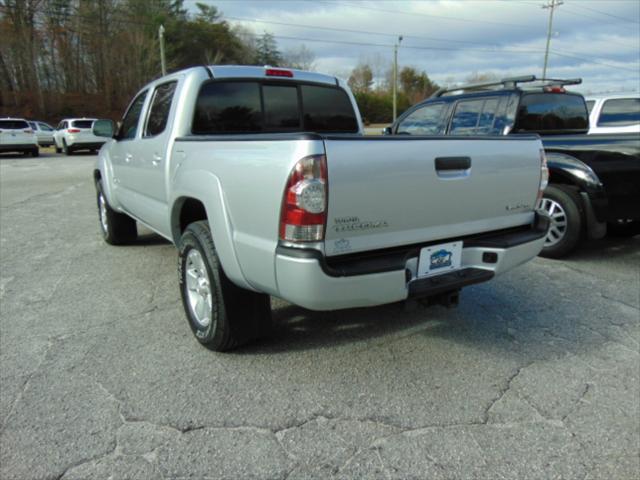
(568, 199)
(58, 149)
(623, 228)
(236, 316)
(65, 148)
(35, 152)
(120, 229)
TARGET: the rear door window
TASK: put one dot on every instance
(466, 116)
(254, 107)
(428, 120)
(620, 112)
(82, 123)
(159, 110)
(13, 124)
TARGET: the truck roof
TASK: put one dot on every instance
(608, 96)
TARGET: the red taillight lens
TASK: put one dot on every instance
(73, 130)
(273, 72)
(304, 206)
(544, 177)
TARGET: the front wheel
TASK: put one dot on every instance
(65, 148)
(35, 152)
(221, 315)
(562, 204)
(116, 228)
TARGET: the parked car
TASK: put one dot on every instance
(594, 179)
(43, 131)
(16, 136)
(619, 113)
(264, 181)
(74, 134)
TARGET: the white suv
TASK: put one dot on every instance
(43, 131)
(73, 134)
(17, 136)
(619, 113)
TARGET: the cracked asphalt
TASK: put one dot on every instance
(536, 375)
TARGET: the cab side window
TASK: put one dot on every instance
(129, 126)
(159, 110)
(478, 117)
(620, 112)
(428, 120)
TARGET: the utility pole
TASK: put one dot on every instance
(551, 6)
(163, 61)
(395, 77)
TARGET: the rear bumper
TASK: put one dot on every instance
(305, 278)
(85, 145)
(18, 147)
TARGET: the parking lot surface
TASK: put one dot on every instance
(536, 375)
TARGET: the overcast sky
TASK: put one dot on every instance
(598, 40)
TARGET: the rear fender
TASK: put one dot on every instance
(205, 187)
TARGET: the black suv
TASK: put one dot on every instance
(594, 179)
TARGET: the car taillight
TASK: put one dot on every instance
(544, 177)
(73, 130)
(304, 206)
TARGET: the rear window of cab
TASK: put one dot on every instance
(262, 107)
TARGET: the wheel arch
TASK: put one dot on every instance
(204, 200)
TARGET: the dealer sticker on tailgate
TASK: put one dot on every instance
(438, 259)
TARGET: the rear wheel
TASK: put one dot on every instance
(35, 152)
(562, 204)
(221, 315)
(117, 228)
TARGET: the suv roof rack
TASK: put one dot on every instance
(509, 82)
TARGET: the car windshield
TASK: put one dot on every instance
(13, 124)
(82, 123)
(552, 113)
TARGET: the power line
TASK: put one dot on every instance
(443, 17)
(582, 7)
(380, 45)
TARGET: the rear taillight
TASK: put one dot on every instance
(73, 130)
(544, 177)
(304, 206)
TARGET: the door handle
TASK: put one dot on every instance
(453, 163)
(156, 159)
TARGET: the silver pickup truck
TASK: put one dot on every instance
(263, 180)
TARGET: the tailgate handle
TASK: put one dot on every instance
(453, 163)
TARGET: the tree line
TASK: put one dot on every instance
(64, 58)
(88, 57)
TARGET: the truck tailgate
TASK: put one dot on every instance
(391, 191)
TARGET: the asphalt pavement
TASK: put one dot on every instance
(536, 375)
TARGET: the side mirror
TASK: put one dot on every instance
(387, 131)
(104, 128)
